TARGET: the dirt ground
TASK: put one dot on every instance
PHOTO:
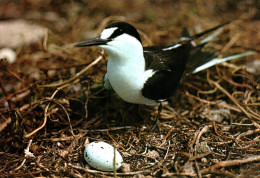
(52, 99)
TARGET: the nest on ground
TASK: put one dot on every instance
(53, 98)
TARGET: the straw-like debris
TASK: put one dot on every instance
(52, 97)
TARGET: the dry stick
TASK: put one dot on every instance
(5, 93)
(43, 124)
(111, 129)
(46, 111)
(248, 108)
(10, 96)
(45, 39)
(221, 135)
(206, 92)
(169, 174)
(190, 145)
(213, 103)
(204, 130)
(110, 136)
(168, 134)
(64, 84)
(67, 114)
(27, 149)
(231, 43)
(77, 75)
(234, 100)
(39, 164)
(249, 132)
(167, 151)
(5, 123)
(106, 173)
(200, 156)
(197, 168)
(256, 124)
(230, 163)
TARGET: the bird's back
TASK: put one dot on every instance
(169, 66)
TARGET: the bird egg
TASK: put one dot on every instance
(100, 155)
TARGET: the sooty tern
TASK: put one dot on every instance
(148, 75)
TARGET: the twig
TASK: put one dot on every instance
(5, 93)
(10, 96)
(20, 165)
(46, 111)
(68, 116)
(5, 123)
(106, 173)
(197, 169)
(168, 134)
(233, 99)
(43, 124)
(190, 145)
(200, 156)
(249, 132)
(26, 155)
(230, 43)
(39, 164)
(115, 141)
(204, 130)
(169, 174)
(221, 135)
(45, 39)
(167, 151)
(229, 164)
(111, 129)
(59, 139)
(224, 172)
(77, 75)
(213, 102)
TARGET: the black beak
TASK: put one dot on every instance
(93, 42)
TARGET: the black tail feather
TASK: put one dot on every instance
(198, 58)
(209, 30)
(185, 32)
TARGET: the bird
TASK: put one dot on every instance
(150, 75)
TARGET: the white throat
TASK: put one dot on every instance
(126, 68)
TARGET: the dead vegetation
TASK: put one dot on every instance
(52, 97)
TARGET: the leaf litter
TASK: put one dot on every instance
(53, 99)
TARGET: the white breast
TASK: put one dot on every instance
(128, 82)
(126, 69)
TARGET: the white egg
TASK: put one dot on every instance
(100, 155)
(8, 54)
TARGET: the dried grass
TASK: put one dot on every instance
(53, 99)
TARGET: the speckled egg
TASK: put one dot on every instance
(100, 155)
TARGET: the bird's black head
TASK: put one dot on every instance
(110, 33)
(123, 28)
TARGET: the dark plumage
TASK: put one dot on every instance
(170, 66)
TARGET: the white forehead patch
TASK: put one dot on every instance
(107, 32)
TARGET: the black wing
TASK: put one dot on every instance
(169, 66)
